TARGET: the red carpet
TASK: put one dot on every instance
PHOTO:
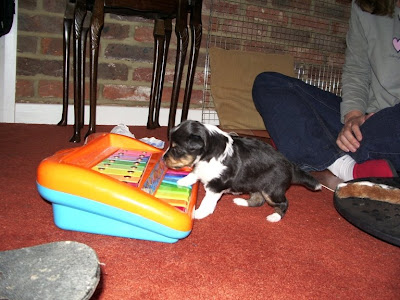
(235, 253)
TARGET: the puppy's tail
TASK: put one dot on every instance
(303, 178)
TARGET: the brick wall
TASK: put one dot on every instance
(125, 60)
(126, 49)
(313, 31)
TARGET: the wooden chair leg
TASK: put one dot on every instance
(68, 20)
(96, 26)
(85, 29)
(196, 32)
(182, 35)
(80, 13)
(168, 32)
(159, 40)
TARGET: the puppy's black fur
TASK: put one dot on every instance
(234, 164)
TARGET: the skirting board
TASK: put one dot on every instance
(105, 115)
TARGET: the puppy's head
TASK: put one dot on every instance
(187, 144)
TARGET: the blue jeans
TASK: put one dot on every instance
(304, 123)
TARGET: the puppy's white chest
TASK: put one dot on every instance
(207, 171)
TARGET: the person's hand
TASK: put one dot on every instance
(350, 136)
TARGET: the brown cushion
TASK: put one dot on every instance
(232, 77)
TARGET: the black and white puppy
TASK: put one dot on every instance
(232, 164)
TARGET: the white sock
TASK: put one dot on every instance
(343, 167)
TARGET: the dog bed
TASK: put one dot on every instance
(372, 205)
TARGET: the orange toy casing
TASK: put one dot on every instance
(76, 190)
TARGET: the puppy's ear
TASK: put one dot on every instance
(195, 142)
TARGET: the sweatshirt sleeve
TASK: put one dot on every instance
(356, 77)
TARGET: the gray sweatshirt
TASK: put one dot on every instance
(371, 73)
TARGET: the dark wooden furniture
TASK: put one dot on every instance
(68, 20)
(80, 25)
(163, 12)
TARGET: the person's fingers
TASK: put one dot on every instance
(347, 139)
(356, 132)
(342, 146)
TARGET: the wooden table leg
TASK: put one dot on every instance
(68, 21)
(80, 13)
(162, 38)
(196, 33)
(182, 36)
(159, 40)
(85, 29)
(96, 26)
(168, 32)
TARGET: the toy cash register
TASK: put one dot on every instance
(117, 185)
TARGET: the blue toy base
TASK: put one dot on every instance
(81, 214)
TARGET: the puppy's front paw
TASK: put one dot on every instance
(184, 182)
(201, 213)
(188, 180)
(207, 205)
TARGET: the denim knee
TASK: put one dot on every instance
(270, 80)
(263, 86)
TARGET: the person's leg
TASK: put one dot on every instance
(302, 120)
(379, 153)
(381, 137)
